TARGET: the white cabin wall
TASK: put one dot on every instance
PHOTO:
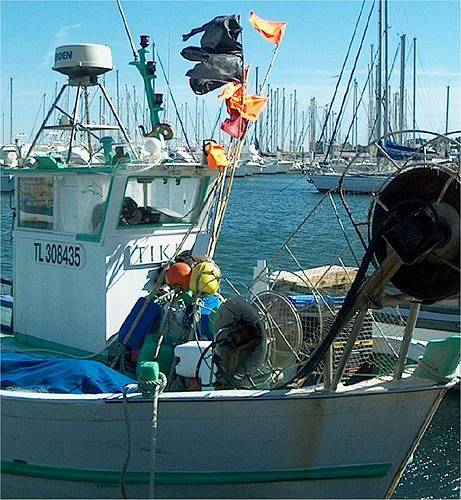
(56, 303)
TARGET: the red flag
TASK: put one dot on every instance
(273, 32)
(235, 126)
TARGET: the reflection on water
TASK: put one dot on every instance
(435, 471)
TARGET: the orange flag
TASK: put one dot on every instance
(273, 32)
(215, 155)
(247, 106)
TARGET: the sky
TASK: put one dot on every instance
(309, 59)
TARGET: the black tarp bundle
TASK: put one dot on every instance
(220, 54)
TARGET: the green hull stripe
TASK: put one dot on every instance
(195, 478)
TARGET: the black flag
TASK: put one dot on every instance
(220, 34)
(220, 55)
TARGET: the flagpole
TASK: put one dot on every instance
(269, 69)
(234, 155)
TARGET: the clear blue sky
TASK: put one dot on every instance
(309, 59)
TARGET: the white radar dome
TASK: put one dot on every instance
(83, 61)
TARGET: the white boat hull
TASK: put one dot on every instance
(223, 444)
(353, 183)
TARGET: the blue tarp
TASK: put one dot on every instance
(62, 376)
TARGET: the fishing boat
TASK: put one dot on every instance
(128, 374)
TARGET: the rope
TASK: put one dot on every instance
(342, 71)
(129, 450)
(174, 102)
(151, 388)
(434, 374)
(333, 135)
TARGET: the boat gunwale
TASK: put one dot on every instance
(385, 386)
(109, 169)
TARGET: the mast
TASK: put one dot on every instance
(402, 89)
(282, 146)
(290, 126)
(379, 75)
(312, 145)
(255, 131)
(354, 107)
(295, 122)
(11, 110)
(276, 119)
(448, 105)
(147, 70)
(414, 91)
(386, 74)
(371, 114)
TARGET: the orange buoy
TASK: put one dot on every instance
(179, 274)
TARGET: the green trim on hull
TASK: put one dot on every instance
(371, 471)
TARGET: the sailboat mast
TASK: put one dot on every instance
(371, 113)
(295, 122)
(448, 105)
(414, 91)
(282, 145)
(11, 110)
(312, 145)
(386, 73)
(402, 89)
(354, 114)
(255, 130)
(379, 74)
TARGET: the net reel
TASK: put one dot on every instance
(418, 213)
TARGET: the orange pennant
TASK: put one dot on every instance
(273, 32)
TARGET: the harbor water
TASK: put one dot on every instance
(262, 213)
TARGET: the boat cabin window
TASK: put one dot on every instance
(161, 200)
(35, 203)
(63, 203)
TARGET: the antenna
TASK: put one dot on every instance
(127, 29)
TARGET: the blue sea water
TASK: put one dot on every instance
(263, 212)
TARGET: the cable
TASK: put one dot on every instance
(174, 102)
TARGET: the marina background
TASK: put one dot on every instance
(262, 213)
(308, 63)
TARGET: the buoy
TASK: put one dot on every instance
(179, 274)
(205, 278)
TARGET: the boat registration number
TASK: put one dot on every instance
(59, 254)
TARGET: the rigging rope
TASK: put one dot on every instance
(342, 70)
(349, 83)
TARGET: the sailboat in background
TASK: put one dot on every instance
(367, 173)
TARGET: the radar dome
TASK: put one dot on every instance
(85, 61)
